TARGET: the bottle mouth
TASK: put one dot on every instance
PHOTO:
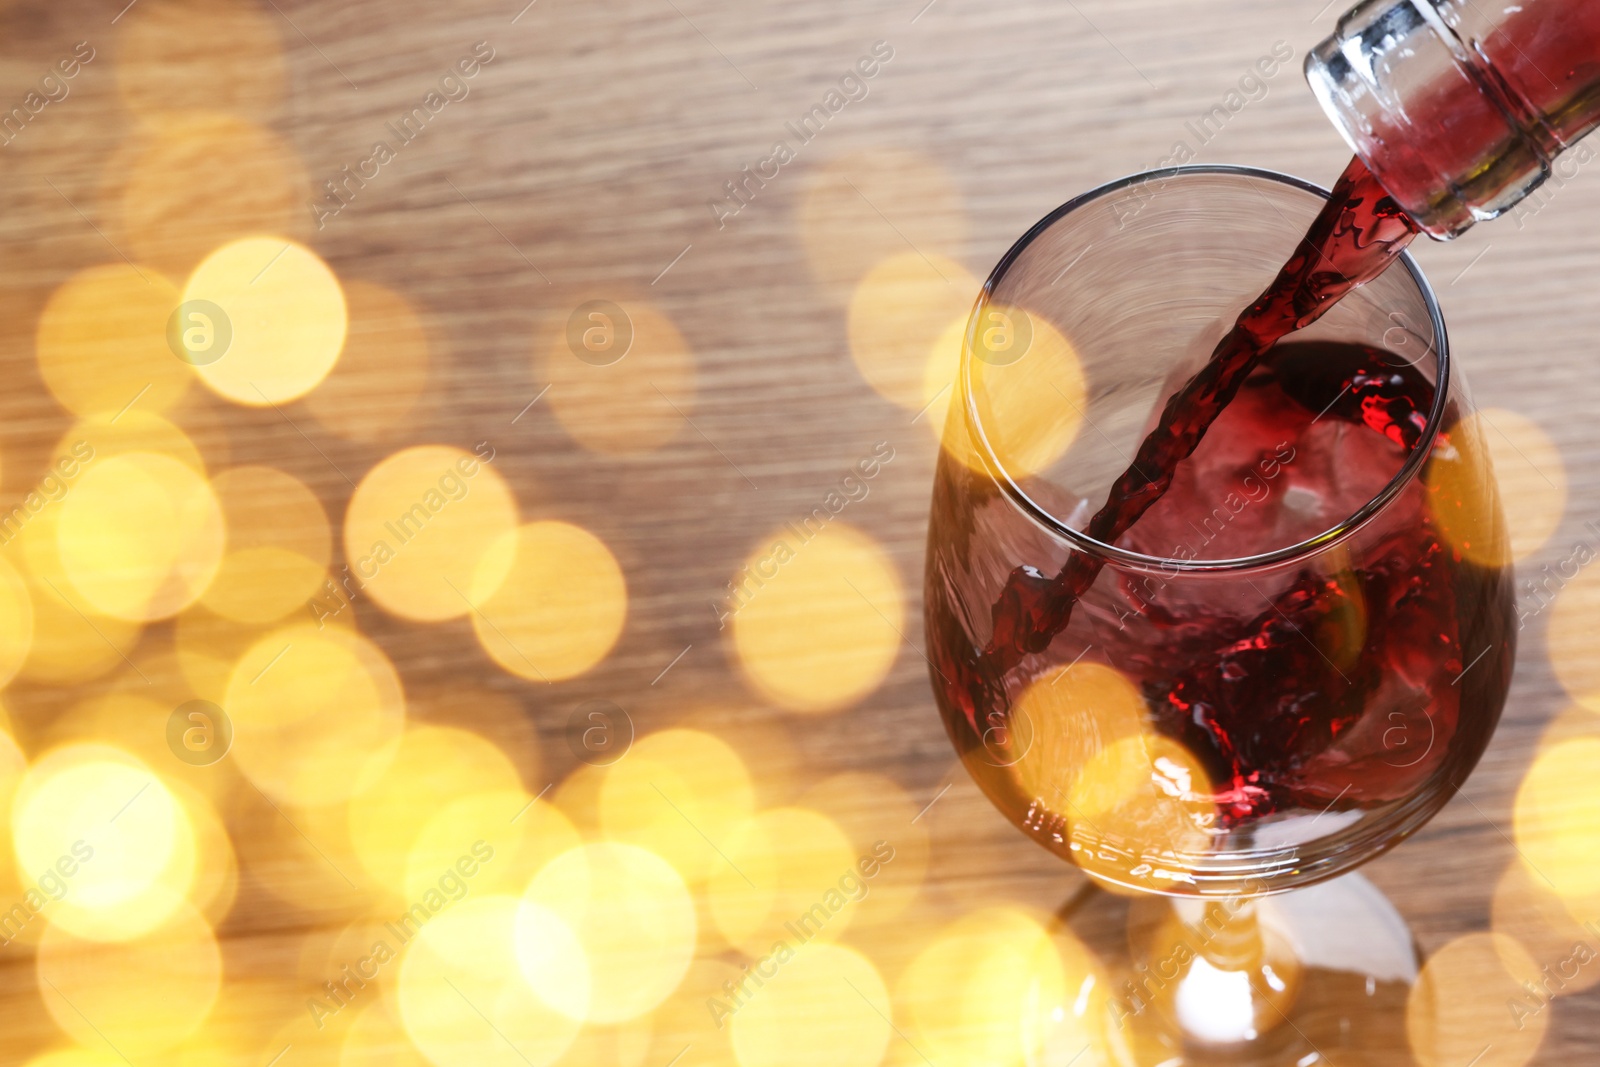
(1055, 525)
(1384, 77)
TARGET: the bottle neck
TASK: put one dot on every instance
(1460, 107)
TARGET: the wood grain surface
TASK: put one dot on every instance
(585, 163)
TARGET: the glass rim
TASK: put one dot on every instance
(1081, 541)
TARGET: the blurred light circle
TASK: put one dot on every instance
(376, 1039)
(677, 793)
(101, 437)
(783, 874)
(896, 314)
(432, 767)
(374, 389)
(550, 599)
(77, 1057)
(882, 823)
(101, 341)
(1032, 407)
(137, 997)
(986, 990)
(103, 815)
(817, 616)
(279, 545)
(16, 622)
(1570, 639)
(857, 209)
(317, 714)
(418, 526)
(1527, 909)
(185, 55)
(1531, 475)
(463, 998)
(1464, 498)
(1465, 1005)
(72, 642)
(632, 916)
(520, 833)
(826, 1004)
(624, 406)
(168, 209)
(140, 536)
(287, 315)
(1557, 817)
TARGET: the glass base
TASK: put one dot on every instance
(1313, 977)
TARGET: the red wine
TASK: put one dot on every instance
(1356, 236)
(1324, 688)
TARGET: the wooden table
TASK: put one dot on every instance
(589, 161)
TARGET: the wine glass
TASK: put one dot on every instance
(1286, 666)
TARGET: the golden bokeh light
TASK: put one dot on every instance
(1527, 909)
(374, 389)
(860, 208)
(376, 1038)
(1557, 818)
(1531, 475)
(16, 622)
(180, 56)
(140, 536)
(101, 437)
(77, 1057)
(1464, 498)
(1469, 1003)
(984, 989)
(464, 1000)
(317, 713)
(633, 918)
(683, 1020)
(101, 342)
(822, 1004)
(677, 793)
(898, 315)
(284, 315)
(627, 403)
(550, 601)
(109, 849)
(876, 813)
(432, 767)
(137, 997)
(1031, 406)
(419, 524)
(72, 642)
(1569, 641)
(522, 833)
(788, 874)
(818, 616)
(278, 545)
(167, 208)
